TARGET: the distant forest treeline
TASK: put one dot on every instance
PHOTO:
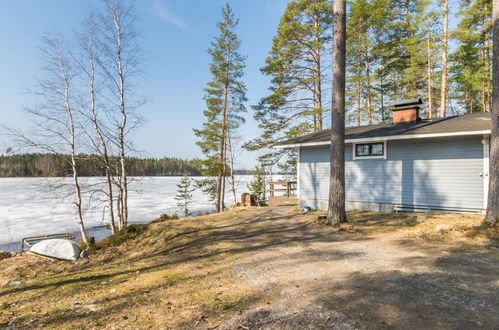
(48, 165)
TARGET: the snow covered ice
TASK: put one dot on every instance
(28, 206)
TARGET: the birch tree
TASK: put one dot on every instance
(120, 61)
(55, 119)
(88, 61)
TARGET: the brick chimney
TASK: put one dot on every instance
(406, 111)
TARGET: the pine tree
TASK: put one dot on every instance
(392, 53)
(225, 98)
(298, 64)
(257, 185)
(432, 62)
(336, 213)
(367, 19)
(400, 47)
(471, 62)
(492, 217)
(445, 46)
(185, 188)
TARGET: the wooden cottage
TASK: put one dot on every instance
(410, 164)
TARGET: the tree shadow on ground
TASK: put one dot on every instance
(458, 291)
(268, 231)
(374, 220)
(260, 232)
(393, 300)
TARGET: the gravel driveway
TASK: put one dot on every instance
(359, 279)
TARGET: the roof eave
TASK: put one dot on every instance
(385, 138)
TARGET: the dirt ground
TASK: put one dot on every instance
(269, 268)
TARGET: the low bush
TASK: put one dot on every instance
(128, 233)
(5, 255)
(165, 217)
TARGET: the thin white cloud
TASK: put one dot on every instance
(165, 14)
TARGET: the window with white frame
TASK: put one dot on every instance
(369, 150)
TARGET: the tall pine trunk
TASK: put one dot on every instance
(445, 42)
(492, 217)
(359, 90)
(368, 88)
(336, 210)
(318, 78)
(221, 174)
(231, 151)
(429, 75)
(488, 86)
(223, 142)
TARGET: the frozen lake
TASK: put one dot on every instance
(29, 207)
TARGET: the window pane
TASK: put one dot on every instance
(362, 150)
(377, 149)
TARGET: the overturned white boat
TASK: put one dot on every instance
(58, 248)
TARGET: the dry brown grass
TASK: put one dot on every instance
(176, 273)
(179, 272)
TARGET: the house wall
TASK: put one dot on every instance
(439, 173)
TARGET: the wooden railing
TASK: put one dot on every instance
(287, 187)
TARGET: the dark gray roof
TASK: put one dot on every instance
(464, 123)
(407, 102)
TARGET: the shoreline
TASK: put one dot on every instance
(98, 233)
(31, 208)
(100, 176)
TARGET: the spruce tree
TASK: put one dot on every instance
(185, 188)
(225, 97)
(257, 185)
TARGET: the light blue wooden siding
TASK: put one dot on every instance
(433, 172)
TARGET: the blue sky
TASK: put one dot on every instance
(176, 35)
